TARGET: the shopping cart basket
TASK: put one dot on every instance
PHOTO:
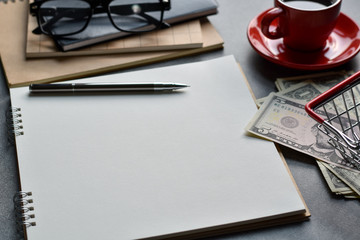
(338, 112)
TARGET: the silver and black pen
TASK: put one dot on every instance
(103, 87)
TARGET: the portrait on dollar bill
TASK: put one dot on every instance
(321, 146)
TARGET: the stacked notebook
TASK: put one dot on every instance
(182, 34)
(150, 166)
(181, 11)
(14, 28)
(187, 35)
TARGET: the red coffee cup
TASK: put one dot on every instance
(304, 25)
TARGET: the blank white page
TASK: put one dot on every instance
(128, 166)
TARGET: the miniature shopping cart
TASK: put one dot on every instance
(338, 112)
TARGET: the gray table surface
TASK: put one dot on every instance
(332, 217)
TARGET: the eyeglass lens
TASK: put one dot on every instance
(62, 17)
(135, 15)
(59, 17)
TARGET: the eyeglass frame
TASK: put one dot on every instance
(162, 4)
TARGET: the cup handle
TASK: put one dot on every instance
(266, 21)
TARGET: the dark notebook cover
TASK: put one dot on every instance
(102, 30)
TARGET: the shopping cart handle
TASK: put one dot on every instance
(310, 106)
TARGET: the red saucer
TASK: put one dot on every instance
(342, 45)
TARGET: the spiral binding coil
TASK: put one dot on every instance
(24, 210)
(14, 123)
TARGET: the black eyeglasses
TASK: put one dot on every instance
(67, 17)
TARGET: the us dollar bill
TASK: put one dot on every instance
(335, 184)
(305, 88)
(304, 91)
(284, 120)
(350, 178)
(324, 81)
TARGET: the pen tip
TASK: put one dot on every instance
(180, 85)
(184, 86)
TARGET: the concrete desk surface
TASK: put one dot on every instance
(332, 217)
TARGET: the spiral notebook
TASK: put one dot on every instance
(149, 166)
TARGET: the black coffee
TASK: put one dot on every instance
(310, 4)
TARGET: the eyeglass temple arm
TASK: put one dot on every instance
(57, 17)
(161, 24)
(127, 10)
(48, 24)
